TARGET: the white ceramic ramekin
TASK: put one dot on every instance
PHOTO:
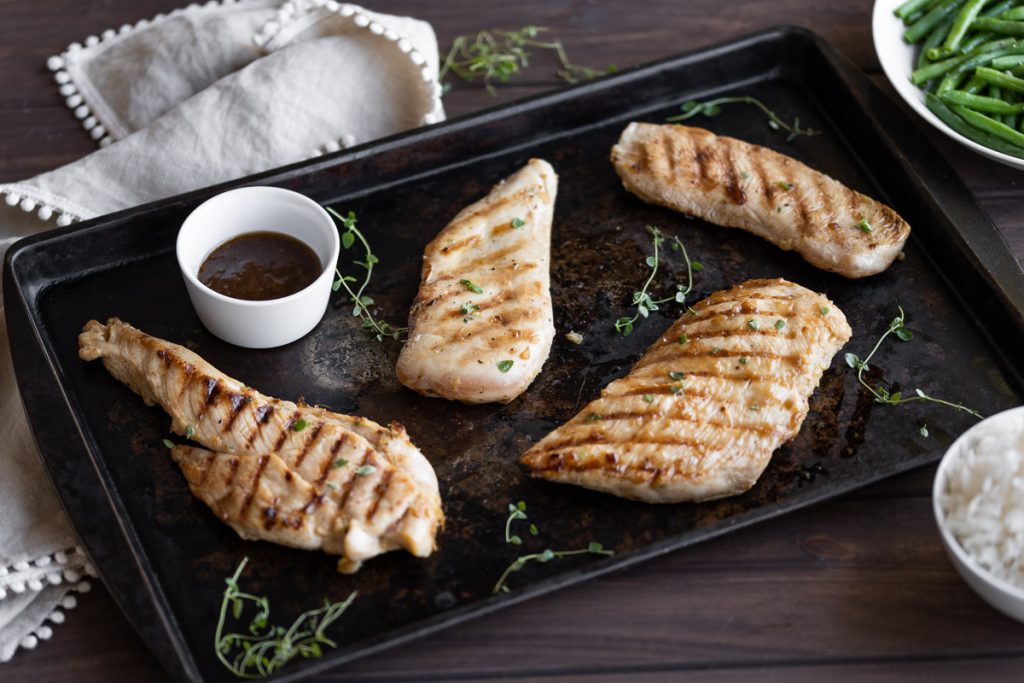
(258, 324)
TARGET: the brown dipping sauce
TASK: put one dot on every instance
(258, 266)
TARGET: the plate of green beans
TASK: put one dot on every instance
(960, 65)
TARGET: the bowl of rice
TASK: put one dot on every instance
(978, 498)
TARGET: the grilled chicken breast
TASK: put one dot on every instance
(481, 325)
(355, 515)
(739, 185)
(699, 415)
(337, 456)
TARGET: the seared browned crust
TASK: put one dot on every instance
(395, 497)
(455, 352)
(733, 183)
(700, 419)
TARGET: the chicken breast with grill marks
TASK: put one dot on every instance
(357, 516)
(739, 185)
(481, 326)
(699, 415)
(338, 457)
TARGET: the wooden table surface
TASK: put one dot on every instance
(854, 589)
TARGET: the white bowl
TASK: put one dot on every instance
(1004, 596)
(258, 324)
(898, 60)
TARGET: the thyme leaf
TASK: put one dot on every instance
(361, 302)
(517, 511)
(714, 107)
(259, 649)
(644, 302)
(881, 392)
(498, 54)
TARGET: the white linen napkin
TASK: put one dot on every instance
(196, 97)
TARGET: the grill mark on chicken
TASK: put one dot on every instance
(822, 216)
(659, 414)
(671, 153)
(491, 207)
(238, 401)
(716, 432)
(350, 484)
(234, 462)
(490, 258)
(761, 176)
(732, 182)
(310, 440)
(378, 492)
(205, 474)
(701, 158)
(337, 444)
(326, 465)
(461, 244)
(282, 436)
(254, 486)
(189, 389)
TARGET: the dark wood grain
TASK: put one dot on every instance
(854, 589)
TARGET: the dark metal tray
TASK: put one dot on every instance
(164, 556)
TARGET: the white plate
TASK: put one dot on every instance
(898, 60)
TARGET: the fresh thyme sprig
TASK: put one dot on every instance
(714, 107)
(517, 511)
(264, 648)
(362, 302)
(498, 54)
(882, 393)
(643, 301)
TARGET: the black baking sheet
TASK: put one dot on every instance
(164, 556)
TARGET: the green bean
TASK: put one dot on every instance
(1004, 81)
(920, 28)
(1015, 14)
(926, 73)
(1006, 63)
(951, 119)
(972, 40)
(975, 40)
(968, 13)
(963, 61)
(953, 78)
(989, 105)
(974, 86)
(932, 42)
(1008, 28)
(999, 9)
(910, 7)
(990, 126)
(1012, 118)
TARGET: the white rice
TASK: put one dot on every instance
(983, 500)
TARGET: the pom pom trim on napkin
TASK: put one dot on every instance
(294, 9)
(69, 567)
(77, 101)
